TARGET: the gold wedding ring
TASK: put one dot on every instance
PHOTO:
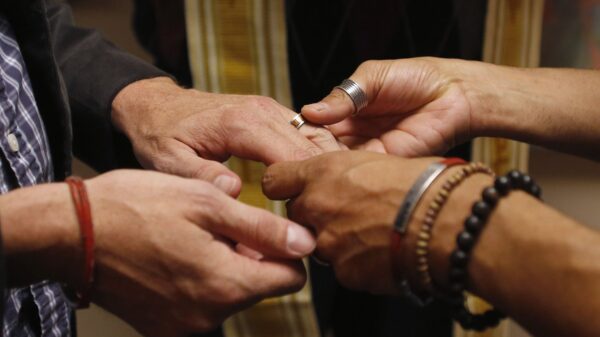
(298, 121)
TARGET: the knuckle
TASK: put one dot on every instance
(369, 64)
(240, 118)
(426, 59)
(302, 154)
(205, 202)
(339, 94)
(231, 116)
(313, 209)
(162, 164)
(326, 246)
(313, 151)
(323, 163)
(201, 172)
(262, 103)
(231, 295)
(313, 201)
(322, 134)
(229, 113)
(368, 67)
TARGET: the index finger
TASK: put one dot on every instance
(284, 180)
(277, 141)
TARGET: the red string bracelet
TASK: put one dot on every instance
(84, 216)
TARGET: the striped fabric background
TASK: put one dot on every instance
(239, 47)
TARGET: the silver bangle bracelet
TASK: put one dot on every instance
(415, 194)
(412, 198)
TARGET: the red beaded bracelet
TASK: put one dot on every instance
(84, 216)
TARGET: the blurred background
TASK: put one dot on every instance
(570, 38)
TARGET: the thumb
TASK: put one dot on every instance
(338, 106)
(189, 165)
(334, 108)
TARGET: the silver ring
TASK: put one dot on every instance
(298, 121)
(356, 94)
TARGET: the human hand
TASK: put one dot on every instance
(165, 257)
(417, 107)
(187, 132)
(167, 252)
(353, 228)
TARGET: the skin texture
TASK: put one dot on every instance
(173, 256)
(188, 133)
(424, 106)
(165, 256)
(532, 262)
(535, 264)
(351, 178)
(415, 109)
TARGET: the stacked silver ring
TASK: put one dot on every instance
(356, 94)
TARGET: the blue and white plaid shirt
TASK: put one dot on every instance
(40, 309)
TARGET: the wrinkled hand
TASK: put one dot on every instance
(165, 260)
(351, 199)
(417, 107)
(187, 132)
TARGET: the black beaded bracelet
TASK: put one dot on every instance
(466, 240)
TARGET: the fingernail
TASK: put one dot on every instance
(300, 241)
(319, 107)
(226, 183)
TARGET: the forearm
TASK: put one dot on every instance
(40, 234)
(532, 262)
(93, 72)
(546, 268)
(555, 108)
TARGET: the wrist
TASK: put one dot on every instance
(404, 249)
(137, 97)
(503, 100)
(451, 221)
(40, 230)
(447, 224)
(481, 84)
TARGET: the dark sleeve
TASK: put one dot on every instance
(94, 71)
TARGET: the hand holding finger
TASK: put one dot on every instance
(283, 180)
